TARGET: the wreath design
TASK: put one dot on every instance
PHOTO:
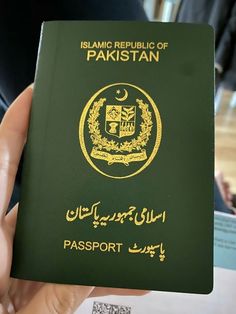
(111, 145)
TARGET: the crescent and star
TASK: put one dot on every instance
(122, 98)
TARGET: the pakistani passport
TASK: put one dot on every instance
(117, 186)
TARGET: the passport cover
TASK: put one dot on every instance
(117, 186)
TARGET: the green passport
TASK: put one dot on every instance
(117, 184)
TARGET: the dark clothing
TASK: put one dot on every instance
(221, 14)
(20, 23)
(229, 69)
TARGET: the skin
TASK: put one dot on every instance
(21, 296)
(224, 188)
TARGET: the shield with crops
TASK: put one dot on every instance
(120, 120)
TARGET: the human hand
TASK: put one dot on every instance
(21, 296)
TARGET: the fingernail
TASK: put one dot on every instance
(31, 86)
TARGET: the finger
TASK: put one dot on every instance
(54, 299)
(13, 132)
(100, 291)
(11, 217)
(3, 310)
(22, 291)
(7, 232)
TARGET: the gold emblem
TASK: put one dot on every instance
(120, 120)
(122, 132)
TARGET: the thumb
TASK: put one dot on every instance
(57, 299)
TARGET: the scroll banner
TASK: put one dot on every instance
(118, 158)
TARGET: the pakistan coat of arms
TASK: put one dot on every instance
(120, 130)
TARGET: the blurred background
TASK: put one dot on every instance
(221, 14)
